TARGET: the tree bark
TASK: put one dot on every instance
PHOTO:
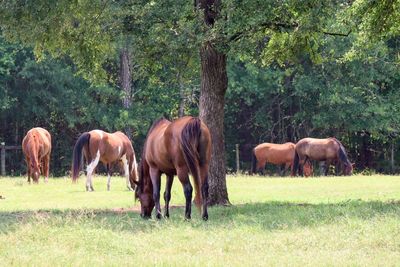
(214, 82)
(126, 83)
(182, 97)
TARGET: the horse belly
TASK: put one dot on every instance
(280, 156)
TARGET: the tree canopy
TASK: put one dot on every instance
(295, 69)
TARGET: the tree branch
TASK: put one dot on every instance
(337, 33)
(262, 26)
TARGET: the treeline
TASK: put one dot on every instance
(265, 71)
(356, 101)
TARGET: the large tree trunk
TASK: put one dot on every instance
(126, 83)
(214, 82)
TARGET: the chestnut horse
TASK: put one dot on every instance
(174, 148)
(276, 154)
(36, 146)
(329, 150)
(108, 148)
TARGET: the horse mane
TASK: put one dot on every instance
(342, 152)
(143, 155)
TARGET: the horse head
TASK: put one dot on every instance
(35, 170)
(146, 201)
(348, 169)
(144, 193)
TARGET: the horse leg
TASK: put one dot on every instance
(338, 168)
(281, 169)
(327, 164)
(167, 194)
(287, 166)
(301, 164)
(261, 167)
(108, 167)
(126, 172)
(204, 192)
(29, 169)
(155, 176)
(90, 169)
(46, 167)
(183, 176)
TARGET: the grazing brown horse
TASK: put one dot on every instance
(174, 148)
(329, 150)
(108, 148)
(308, 168)
(272, 153)
(36, 146)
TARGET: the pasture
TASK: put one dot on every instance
(340, 221)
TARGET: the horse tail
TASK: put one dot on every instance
(253, 162)
(190, 141)
(77, 155)
(295, 165)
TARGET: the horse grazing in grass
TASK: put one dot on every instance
(329, 150)
(108, 148)
(308, 169)
(276, 154)
(36, 146)
(174, 148)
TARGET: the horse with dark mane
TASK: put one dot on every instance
(329, 150)
(174, 148)
(108, 148)
(36, 147)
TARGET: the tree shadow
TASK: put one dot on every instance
(268, 216)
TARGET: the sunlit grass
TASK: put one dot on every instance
(342, 221)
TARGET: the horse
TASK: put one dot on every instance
(329, 150)
(109, 148)
(174, 148)
(308, 168)
(36, 147)
(272, 153)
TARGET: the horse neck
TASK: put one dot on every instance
(34, 151)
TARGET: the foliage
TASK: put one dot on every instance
(296, 69)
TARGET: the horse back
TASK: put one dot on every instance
(317, 149)
(37, 140)
(275, 153)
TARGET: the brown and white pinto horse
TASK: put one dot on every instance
(329, 150)
(174, 148)
(108, 148)
(36, 146)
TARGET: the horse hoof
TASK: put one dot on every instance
(158, 216)
(205, 217)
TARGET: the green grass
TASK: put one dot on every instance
(344, 221)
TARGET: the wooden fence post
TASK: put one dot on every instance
(3, 158)
(237, 159)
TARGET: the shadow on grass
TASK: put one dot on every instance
(268, 216)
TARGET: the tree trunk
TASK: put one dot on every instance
(392, 157)
(182, 97)
(214, 82)
(126, 83)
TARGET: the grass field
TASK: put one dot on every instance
(344, 221)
